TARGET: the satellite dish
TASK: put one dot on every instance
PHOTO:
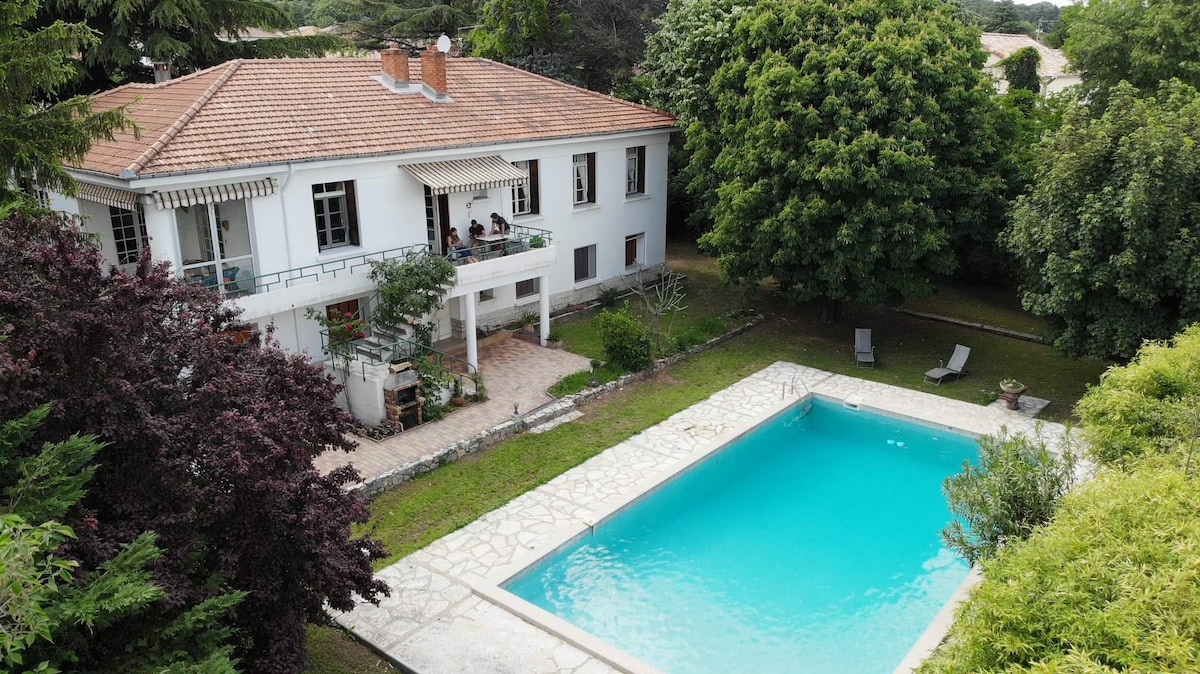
(443, 44)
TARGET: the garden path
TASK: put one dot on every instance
(514, 371)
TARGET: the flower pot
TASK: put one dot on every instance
(458, 401)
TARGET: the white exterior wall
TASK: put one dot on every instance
(391, 214)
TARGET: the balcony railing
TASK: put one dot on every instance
(326, 270)
(519, 240)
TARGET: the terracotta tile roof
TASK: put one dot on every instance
(1002, 45)
(251, 112)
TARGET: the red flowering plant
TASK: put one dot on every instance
(340, 330)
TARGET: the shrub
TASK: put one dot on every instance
(1148, 406)
(1014, 490)
(626, 342)
(1112, 584)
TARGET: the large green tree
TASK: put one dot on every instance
(1106, 240)
(1143, 42)
(37, 135)
(408, 22)
(187, 34)
(853, 145)
(693, 39)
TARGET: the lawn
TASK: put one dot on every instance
(412, 515)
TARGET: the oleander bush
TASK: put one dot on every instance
(626, 341)
(1014, 489)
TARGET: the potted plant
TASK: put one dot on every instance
(536, 241)
(456, 397)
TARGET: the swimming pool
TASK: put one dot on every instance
(808, 545)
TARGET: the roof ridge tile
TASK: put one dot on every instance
(157, 146)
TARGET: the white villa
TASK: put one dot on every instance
(276, 181)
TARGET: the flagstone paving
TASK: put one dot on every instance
(447, 613)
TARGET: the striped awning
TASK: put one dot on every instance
(466, 175)
(214, 194)
(109, 196)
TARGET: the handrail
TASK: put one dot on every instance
(331, 268)
(520, 240)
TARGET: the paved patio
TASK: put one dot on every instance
(447, 612)
(514, 371)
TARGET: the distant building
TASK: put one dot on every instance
(1054, 70)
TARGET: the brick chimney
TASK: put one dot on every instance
(433, 71)
(395, 64)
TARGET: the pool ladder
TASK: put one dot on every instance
(795, 386)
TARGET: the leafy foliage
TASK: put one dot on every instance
(1020, 70)
(1013, 491)
(1106, 239)
(37, 136)
(189, 35)
(1112, 584)
(1143, 43)
(853, 146)
(1149, 407)
(525, 30)
(209, 442)
(410, 22)
(626, 342)
(411, 289)
(51, 608)
(694, 39)
(1004, 18)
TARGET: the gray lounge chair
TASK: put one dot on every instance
(956, 366)
(864, 351)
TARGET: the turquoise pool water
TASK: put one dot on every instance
(809, 545)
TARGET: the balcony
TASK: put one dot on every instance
(522, 255)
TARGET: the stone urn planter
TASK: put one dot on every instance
(1011, 393)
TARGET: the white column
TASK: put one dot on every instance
(544, 308)
(164, 239)
(468, 302)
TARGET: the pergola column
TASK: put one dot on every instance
(544, 308)
(468, 301)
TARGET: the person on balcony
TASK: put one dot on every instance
(456, 249)
(499, 224)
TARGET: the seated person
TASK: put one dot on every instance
(476, 230)
(456, 249)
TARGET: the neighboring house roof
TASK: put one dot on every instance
(255, 112)
(1002, 45)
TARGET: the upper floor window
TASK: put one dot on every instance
(129, 233)
(584, 174)
(635, 170)
(337, 214)
(525, 195)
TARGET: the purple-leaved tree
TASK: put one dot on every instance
(210, 442)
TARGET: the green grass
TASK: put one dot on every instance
(410, 516)
(574, 383)
(333, 651)
(982, 304)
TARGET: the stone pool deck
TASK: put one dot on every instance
(447, 613)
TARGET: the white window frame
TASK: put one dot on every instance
(640, 254)
(631, 170)
(129, 233)
(579, 173)
(522, 204)
(337, 198)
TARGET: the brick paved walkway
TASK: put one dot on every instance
(513, 372)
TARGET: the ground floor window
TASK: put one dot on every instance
(129, 233)
(585, 263)
(485, 295)
(633, 249)
(527, 287)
